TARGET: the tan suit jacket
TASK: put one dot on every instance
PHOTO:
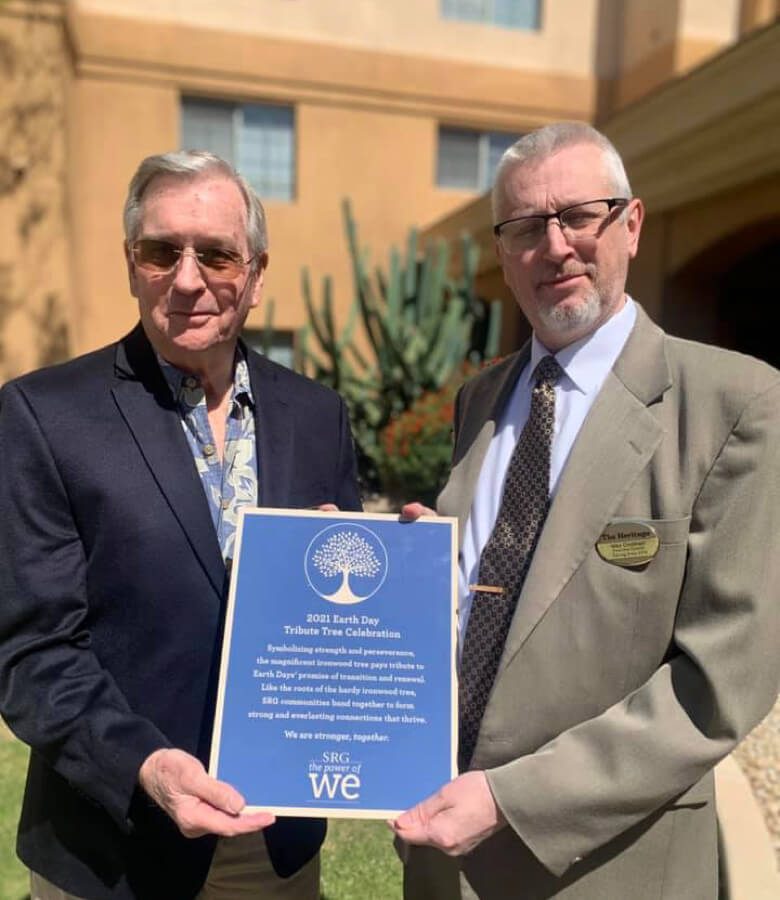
(619, 689)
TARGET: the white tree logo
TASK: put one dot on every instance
(346, 552)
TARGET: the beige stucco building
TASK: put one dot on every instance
(703, 152)
(402, 107)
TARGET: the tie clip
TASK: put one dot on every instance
(486, 589)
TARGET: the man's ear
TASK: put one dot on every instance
(634, 218)
(259, 276)
(131, 271)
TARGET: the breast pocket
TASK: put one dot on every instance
(633, 542)
(646, 555)
(671, 531)
(642, 599)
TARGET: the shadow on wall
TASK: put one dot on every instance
(33, 324)
(725, 295)
(47, 327)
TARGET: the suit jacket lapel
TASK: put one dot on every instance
(274, 433)
(145, 402)
(615, 443)
(475, 434)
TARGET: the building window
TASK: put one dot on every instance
(468, 159)
(258, 139)
(281, 348)
(504, 13)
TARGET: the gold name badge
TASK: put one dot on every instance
(628, 543)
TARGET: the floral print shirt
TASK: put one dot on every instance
(229, 483)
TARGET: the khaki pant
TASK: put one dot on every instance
(241, 870)
(41, 889)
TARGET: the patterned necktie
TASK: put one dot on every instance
(506, 556)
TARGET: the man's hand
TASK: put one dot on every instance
(454, 819)
(197, 803)
(412, 511)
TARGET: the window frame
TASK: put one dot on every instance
(448, 10)
(236, 109)
(485, 172)
(286, 347)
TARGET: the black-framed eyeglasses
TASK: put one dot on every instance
(582, 220)
(162, 257)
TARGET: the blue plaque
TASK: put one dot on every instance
(337, 692)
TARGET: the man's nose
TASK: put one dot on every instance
(554, 243)
(189, 277)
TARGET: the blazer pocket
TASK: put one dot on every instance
(659, 578)
(671, 531)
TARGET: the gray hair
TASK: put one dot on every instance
(189, 164)
(538, 145)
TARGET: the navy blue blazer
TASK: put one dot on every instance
(112, 600)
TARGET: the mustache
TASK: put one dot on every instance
(569, 270)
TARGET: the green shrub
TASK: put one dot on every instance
(415, 447)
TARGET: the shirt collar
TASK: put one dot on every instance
(586, 362)
(186, 388)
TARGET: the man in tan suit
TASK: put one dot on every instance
(643, 643)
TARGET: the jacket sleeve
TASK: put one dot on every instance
(54, 693)
(604, 775)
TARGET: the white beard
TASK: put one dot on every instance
(563, 318)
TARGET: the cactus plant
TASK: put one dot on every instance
(419, 323)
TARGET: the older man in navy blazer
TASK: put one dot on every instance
(122, 475)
